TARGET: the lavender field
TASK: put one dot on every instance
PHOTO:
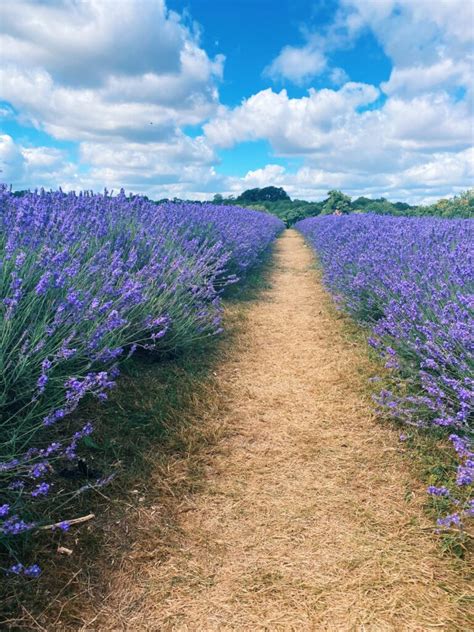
(411, 281)
(86, 281)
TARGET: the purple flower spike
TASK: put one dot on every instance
(32, 571)
(410, 279)
(88, 281)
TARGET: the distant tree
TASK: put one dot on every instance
(258, 207)
(361, 202)
(270, 194)
(218, 198)
(402, 206)
(461, 205)
(337, 201)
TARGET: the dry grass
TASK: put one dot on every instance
(284, 505)
(305, 522)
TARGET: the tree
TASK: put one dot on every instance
(267, 194)
(337, 201)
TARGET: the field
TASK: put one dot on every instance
(236, 316)
(87, 281)
(411, 281)
(295, 420)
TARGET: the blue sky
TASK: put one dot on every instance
(190, 98)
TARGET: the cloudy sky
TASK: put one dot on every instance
(189, 98)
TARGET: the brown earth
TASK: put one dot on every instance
(305, 521)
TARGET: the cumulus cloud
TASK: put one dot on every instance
(292, 125)
(76, 41)
(32, 167)
(85, 114)
(297, 64)
(12, 162)
(123, 79)
(96, 68)
(429, 43)
(139, 166)
(120, 78)
(332, 122)
(443, 74)
(420, 184)
(157, 169)
(416, 125)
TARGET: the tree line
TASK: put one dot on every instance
(276, 200)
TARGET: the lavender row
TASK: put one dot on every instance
(412, 281)
(85, 281)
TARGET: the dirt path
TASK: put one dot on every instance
(305, 522)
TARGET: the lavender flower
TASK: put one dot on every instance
(41, 490)
(438, 491)
(4, 510)
(411, 280)
(89, 279)
(32, 571)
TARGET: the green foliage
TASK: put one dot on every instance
(337, 202)
(461, 205)
(267, 194)
(292, 211)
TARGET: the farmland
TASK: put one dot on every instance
(236, 316)
(411, 282)
(289, 426)
(87, 281)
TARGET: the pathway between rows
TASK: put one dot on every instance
(306, 522)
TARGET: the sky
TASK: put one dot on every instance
(188, 98)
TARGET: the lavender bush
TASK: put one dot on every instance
(412, 281)
(85, 281)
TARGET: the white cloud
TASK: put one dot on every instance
(415, 29)
(139, 167)
(441, 171)
(84, 42)
(107, 69)
(293, 126)
(415, 140)
(123, 78)
(424, 183)
(429, 42)
(442, 75)
(86, 114)
(12, 162)
(32, 167)
(338, 76)
(297, 64)
(331, 121)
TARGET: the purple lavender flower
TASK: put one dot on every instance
(16, 569)
(15, 525)
(465, 474)
(453, 519)
(4, 510)
(411, 281)
(64, 525)
(438, 491)
(32, 571)
(41, 490)
(89, 280)
(39, 469)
